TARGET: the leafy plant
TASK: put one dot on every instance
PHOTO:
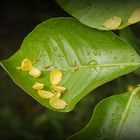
(64, 59)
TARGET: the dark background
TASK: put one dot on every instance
(21, 117)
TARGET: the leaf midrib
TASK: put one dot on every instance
(125, 112)
(77, 67)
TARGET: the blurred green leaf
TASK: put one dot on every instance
(128, 35)
(94, 13)
(116, 117)
(87, 57)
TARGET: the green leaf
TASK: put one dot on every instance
(94, 13)
(87, 58)
(127, 35)
(114, 118)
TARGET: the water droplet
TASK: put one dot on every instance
(132, 54)
(95, 52)
(93, 62)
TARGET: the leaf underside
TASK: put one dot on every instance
(93, 13)
(87, 58)
(114, 118)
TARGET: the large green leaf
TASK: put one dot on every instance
(93, 13)
(87, 57)
(114, 118)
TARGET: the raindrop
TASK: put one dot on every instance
(132, 54)
(93, 63)
(95, 53)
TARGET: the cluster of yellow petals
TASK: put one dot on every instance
(26, 65)
(55, 78)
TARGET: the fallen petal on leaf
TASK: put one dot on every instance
(55, 77)
(57, 103)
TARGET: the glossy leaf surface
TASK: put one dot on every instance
(94, 13)
(86, 57)
(128, 36)
(114, 118)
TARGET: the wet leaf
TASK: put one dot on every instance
(86, 57)
(114, 118)
(103, 14)
(128, 35)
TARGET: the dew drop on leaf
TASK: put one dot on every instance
(93, 62)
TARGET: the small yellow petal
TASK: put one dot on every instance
(26, 65)
(59, 88)
(57, 103)
(55, 77)
(135, 17)
(112, 23)
(38, 86)
(57, 94)
(34, 72)
(18, 68)
(45, 94)
(130, 88)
